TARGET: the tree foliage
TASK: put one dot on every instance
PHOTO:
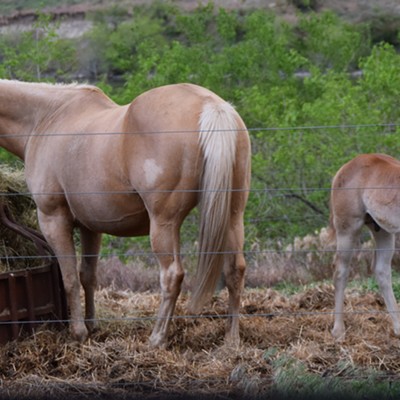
(314, 93)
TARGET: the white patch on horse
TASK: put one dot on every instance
(151, 171)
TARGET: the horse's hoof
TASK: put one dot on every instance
(92, 326)
(80, 334)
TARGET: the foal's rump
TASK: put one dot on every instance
(366, 189)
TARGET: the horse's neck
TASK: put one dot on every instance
(22, 108)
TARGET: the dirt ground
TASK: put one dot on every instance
(117, 362)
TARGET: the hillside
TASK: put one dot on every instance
(383, 15)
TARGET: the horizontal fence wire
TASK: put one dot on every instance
(388, 376)
(194, 253)
(134, 192)
(186, 131)
(267, 315)
(276, 192)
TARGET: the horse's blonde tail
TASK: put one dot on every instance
(218, 132)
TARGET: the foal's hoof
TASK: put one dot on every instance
(232, 341)
(338, 335)
(157, 342)
(396, 331)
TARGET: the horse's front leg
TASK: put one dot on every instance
(90, 242)
(165, 244)
(58, 229)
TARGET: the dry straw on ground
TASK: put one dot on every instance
(117, 360)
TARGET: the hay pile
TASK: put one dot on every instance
(118, 363)
(13, 247)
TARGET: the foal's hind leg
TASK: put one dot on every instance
(165, 244)
(382, 268)
(345, 244)
(90, 242)
(234, 270)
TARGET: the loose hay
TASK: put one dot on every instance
(117, 359)
(16, 251)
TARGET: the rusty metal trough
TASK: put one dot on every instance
(33, 296)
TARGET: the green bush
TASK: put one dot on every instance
(37, 54)
(314, 93)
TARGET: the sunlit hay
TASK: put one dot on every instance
(315, 253)
(117, 358)
(318, 298)
(14, 249)
(134, 276)
(269, 267)
(307, 259)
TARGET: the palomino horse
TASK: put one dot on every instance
(366, 191)
(134, 170)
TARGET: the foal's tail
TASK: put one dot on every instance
(331, 239)
(218, 135)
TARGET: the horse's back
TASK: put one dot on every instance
(174, 107)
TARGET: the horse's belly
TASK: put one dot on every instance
(132, 220)
(137, 225)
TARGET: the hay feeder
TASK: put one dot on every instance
(29, 297)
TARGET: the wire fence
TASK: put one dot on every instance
(275, 192)
(267, 315)
(185, 131)
(261, 250)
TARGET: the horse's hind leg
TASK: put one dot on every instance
(165, 244)
(90, 242)
(382, 268)
(234, 270)
(345, 244)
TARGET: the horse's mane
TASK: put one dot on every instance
(57, 85)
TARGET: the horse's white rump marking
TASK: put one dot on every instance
(151, 171)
